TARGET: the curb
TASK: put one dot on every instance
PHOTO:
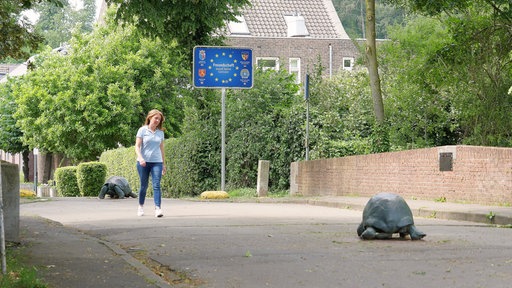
(423, 212)
(136, 264)
(490, 215)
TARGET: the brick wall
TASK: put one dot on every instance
(479, 175)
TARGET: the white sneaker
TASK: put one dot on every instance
(158, 212)
(140, 211)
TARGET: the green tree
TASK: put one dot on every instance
(10, 134)
(17, 38)
(264, 123)
(479, 58)
(341, 115)
(101, 93)
(56, 23)
(473, 66)
(188, 22)
(352, 15)
(420, 115)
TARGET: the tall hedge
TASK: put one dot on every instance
(264, 123)
(193, 160)
(91, 177)
(189, 171)
(66, 181)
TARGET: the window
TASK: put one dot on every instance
(296, 25)
(295, 69)
(348, 63)
(239, 27)
(268, 63)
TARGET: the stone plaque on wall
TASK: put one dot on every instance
(445, 161)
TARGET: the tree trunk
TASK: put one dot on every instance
(371, 58)
(47, 164)
(26, 168)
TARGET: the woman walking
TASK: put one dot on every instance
(149, 147)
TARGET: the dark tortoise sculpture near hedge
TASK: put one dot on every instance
(386, 214)
(116, 187)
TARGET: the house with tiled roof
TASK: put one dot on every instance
(294, 35)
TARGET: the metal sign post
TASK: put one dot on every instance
(223, 142)
(35, 154)
(306, 97)
(2, 229)
(222, 67)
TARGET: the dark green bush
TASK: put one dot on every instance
(66, 181)
(190, 170)
(90, 177)
(342, 148)
(264, 124)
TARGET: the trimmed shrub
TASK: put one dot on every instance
(66, 181)
(186, 174)
(91, 177)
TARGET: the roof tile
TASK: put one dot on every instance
(265, 18)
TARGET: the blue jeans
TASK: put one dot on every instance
(155, 169)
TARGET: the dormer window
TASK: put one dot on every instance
(296, 25)
(239, 27)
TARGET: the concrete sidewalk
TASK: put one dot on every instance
(66, 257)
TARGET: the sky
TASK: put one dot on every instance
(78, 4)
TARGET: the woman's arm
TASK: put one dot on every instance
(162, 150)
(138, 146)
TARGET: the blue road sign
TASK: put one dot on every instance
(222, 67)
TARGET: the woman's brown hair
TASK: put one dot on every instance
(152, 114)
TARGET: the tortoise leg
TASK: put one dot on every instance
(360, 229)
(404, 231)
(119, 192)
(369, 234)
(103, 192)
(415, 233)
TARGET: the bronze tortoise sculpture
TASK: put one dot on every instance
(386, 214)
(116, 187)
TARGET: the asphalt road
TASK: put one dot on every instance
(219, 244)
